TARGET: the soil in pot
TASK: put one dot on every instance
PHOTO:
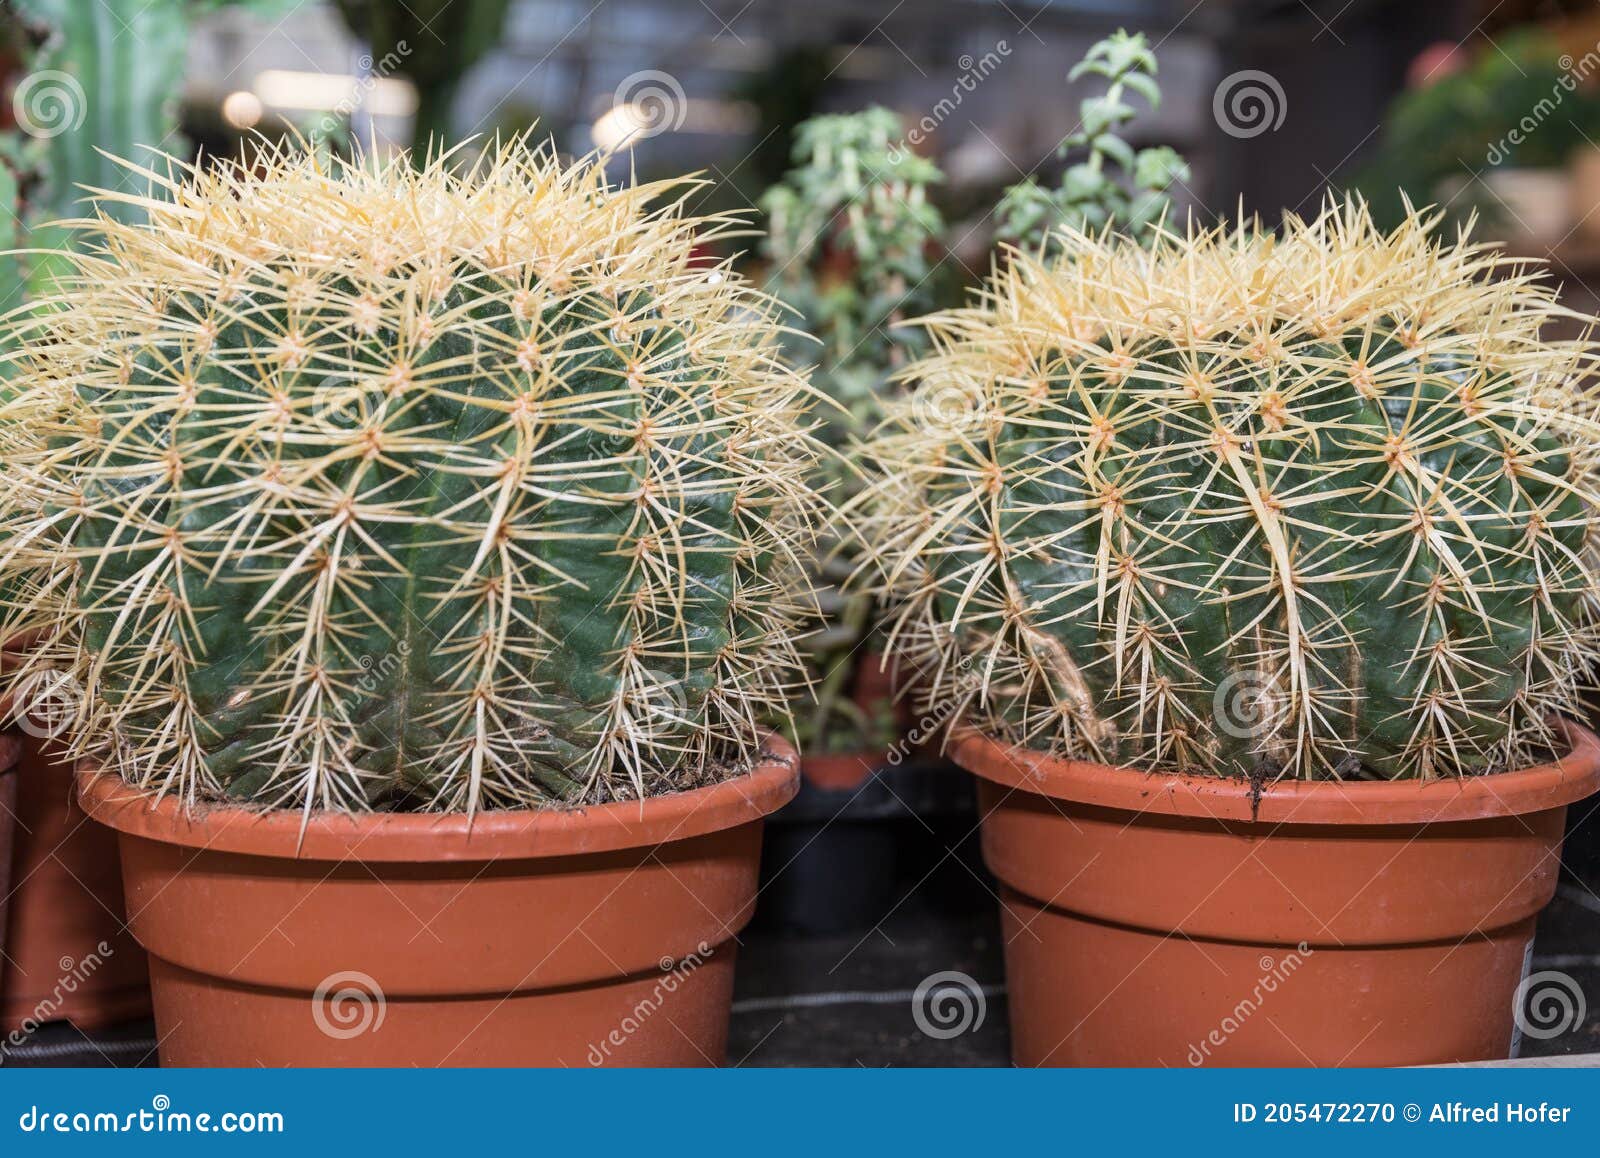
(1155, 919)
(595, 936)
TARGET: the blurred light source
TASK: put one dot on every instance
(383, 96)
(625, 125)
(620, 125)
(242, 109)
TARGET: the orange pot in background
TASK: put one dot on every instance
(1158, 919)
(589, 936)
(68, 953)
(872, 690)
(840, 771)
(10, 750)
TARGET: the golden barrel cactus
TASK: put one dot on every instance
(1317, 503)
(382, 488)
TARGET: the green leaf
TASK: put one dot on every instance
(1102, 113)
(1159, 167)
(1084, 183)
(1114, 147)
(1145, 87)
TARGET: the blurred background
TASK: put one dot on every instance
(1271, 102)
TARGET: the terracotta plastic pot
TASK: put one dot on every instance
(69, 955)
(586, 937)
(841, 771)
(10, 749)
(1163, 920)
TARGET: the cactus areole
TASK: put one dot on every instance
(424, 490)
(1313, 504)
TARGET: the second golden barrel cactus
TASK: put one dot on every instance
(1315, 504)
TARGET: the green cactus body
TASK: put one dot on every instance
(482, 507)
(1209, 512)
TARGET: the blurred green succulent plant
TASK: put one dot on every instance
(1458, 124)
(850, 233)
(850, 245)
(1093, 195)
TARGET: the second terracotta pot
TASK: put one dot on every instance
(1164, 920)
(595, 936)
(68, 954)
(9, 750)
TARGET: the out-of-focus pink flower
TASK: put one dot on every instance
(1440, 59)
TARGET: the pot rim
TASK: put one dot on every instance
(23, 642)
(1364, 802)
(386, 837)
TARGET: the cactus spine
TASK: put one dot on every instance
(1317, 506)
(409, 489)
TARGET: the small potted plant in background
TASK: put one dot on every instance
(1260, 576)
(1110, 185)
(1490, 133)
(852, 246)
(851, 228)
(433, 541)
